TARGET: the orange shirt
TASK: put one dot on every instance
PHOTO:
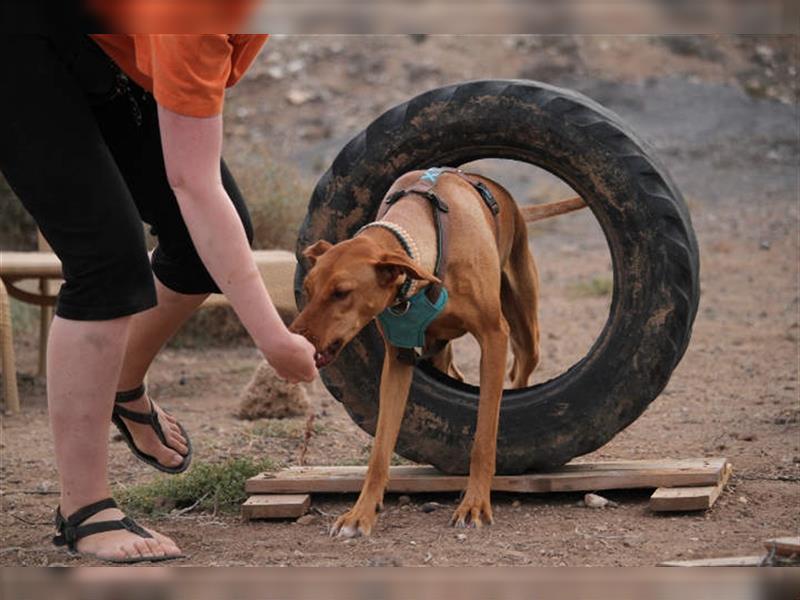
(187, 74)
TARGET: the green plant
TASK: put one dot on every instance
(284, 428)
(217, 487)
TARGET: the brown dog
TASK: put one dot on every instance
(492, 283)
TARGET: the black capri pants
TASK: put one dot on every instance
(80, 146)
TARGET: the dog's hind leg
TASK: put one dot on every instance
(519, 292)
(443, 361)
(395, 384)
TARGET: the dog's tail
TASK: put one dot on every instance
(537, 212)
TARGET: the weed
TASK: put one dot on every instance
(217, 487)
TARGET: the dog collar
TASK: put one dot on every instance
(409, 286)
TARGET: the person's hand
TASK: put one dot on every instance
(292, 357)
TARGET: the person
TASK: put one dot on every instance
(97, 134)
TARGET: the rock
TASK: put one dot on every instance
(403, 500)
(516, 504)
(429, 507)
(276, 72)
(306, 520)
(297, 97)
(267, 396)
(296, 66)
(594, 501)
(764, 245)
(461, 537)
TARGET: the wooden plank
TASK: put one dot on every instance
(276, 506)
(29, 264)
(577, 476)
(688, 498)
(729, 561)
(784, 546)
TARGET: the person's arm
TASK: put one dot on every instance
(192, 148)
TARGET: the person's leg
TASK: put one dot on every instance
(83, 364)
(182, 282)
(54, 159)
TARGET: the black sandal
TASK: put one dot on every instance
(70, 531)
(151, 419)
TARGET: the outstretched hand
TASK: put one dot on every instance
(292, 357)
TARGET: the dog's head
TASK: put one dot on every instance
(348, 285)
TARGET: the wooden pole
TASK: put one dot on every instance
(8, 359)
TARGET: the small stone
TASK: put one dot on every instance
(306, 520)
(429, 507)
(764, 245)
(276, 72)
(297, 97)
(594, 501)
(296, 66)
(403, 500)
(516, 504)
(742, 500)
(461, 537)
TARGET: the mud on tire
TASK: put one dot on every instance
(644, 219)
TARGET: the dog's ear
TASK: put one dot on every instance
(393, 264)
(317, 249)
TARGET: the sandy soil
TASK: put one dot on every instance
(720, 114)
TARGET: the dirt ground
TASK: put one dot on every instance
(720, 112)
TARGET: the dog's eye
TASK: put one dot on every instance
(340, 294)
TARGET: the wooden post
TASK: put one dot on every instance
(45, 318)
(46, 312)
(7, 347)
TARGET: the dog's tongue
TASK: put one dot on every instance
(322, 359)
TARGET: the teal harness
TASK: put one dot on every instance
(405, 322)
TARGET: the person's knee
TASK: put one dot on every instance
(109, 285)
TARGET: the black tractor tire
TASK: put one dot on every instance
(642, 214)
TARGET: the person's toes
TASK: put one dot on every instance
(177, 444)
(130, 550)
(170, 547)
(154, 548)
(143, 548)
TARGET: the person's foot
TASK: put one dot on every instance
(123, 544)
(146, 439)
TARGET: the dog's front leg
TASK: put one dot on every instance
(476, 508)
(395, 384)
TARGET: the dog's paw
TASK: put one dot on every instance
(474, 511)
(354, 523)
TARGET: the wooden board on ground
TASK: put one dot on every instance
(728, 561)
(784, 546)
(576, 476)
(688, 498)
(282, 506)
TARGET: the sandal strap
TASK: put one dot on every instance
(130, 395)
(140, 417)
(148, 418)
(90, 510)
(70, 530)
